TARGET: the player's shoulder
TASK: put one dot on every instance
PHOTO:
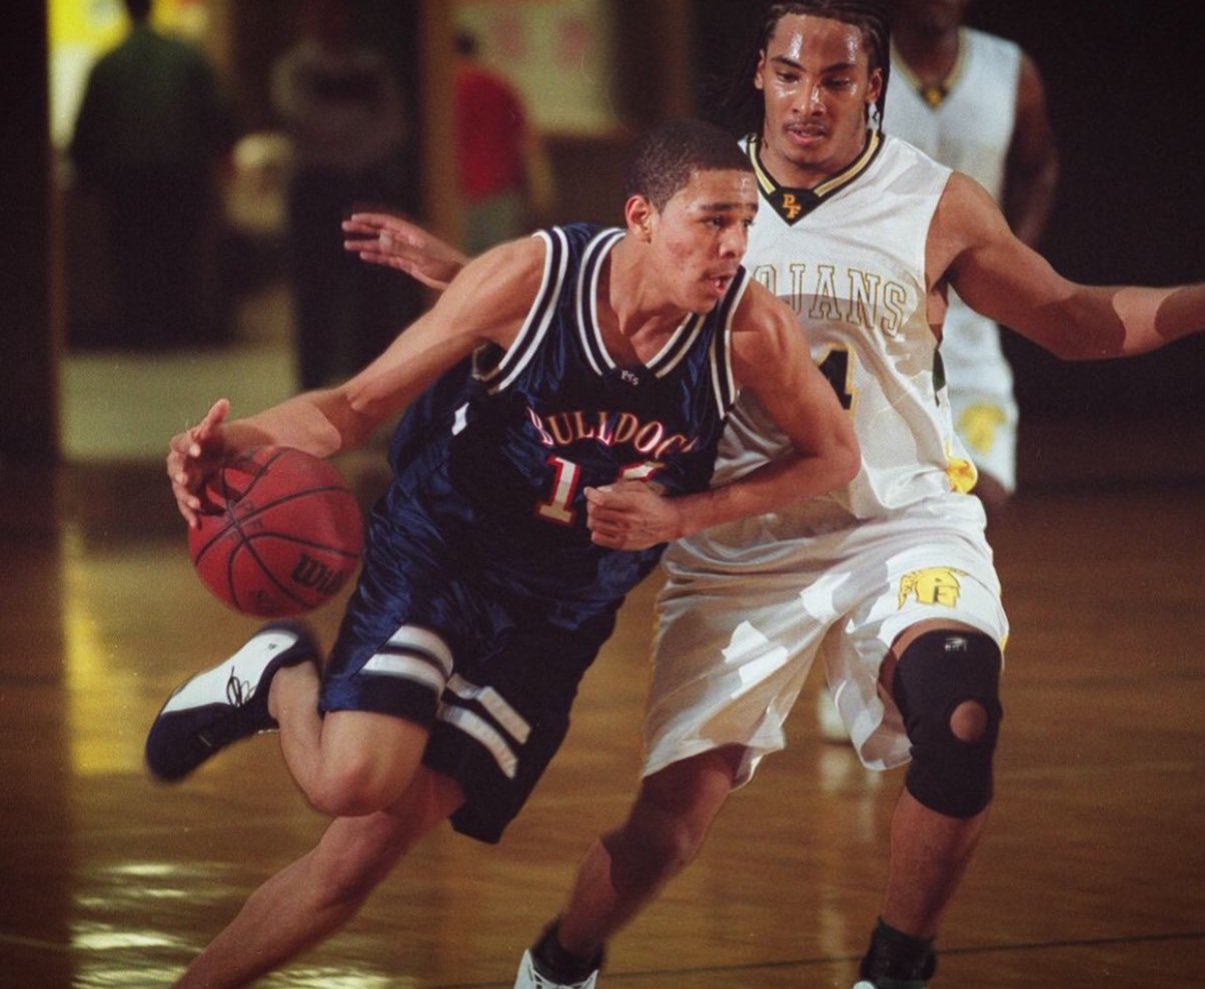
(967, 216)
(763, 326)
(510, 261)
(494, 291)
(966, 197)
(901, 164)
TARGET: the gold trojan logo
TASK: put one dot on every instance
(933, 585)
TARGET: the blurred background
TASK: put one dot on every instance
(590, 75)
(108, 877)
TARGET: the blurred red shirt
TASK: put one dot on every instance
(490, 127)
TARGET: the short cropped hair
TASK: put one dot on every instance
(669, 154)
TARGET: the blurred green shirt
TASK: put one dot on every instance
(152, 102)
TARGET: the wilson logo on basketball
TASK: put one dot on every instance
(317, 576)
(280, 535)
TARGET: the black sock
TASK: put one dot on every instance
(558, 964)
(897, 955)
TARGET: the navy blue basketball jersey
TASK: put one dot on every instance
(499, 458)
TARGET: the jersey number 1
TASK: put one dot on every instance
(566, 481)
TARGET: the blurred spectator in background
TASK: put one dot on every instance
(153, 132)
(505, 179)
(345, 114)
(976, 102)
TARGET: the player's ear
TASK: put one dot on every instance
(875, 87)
(639, 214)
(759, 74)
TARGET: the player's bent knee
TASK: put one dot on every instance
(969, 722)
(352, 791)
(947, 689)
(367, 762)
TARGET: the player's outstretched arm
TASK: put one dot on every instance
(1000, 277)
(384, 239)
(194, 455)
(486, 303)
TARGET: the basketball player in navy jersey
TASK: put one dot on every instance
(603, 364)
(892, 585)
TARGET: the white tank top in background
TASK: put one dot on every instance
(967, 124)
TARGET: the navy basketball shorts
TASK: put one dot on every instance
(489, 668)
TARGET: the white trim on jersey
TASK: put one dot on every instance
(539, 317)
(722, 379)
(586, 301)
(678, 346)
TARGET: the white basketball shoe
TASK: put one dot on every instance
(530, 977)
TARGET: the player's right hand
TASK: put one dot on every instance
(194, 455)
(631, 515)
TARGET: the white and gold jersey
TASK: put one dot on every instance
(839, 577)
(967, 122)
(849, 258)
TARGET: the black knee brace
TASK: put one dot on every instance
(936, 674)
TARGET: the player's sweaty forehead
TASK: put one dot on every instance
(818, 45)
(726, 191)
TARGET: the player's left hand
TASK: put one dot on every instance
(631, 515)
(391, 241)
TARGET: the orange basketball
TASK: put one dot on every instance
(280, 534)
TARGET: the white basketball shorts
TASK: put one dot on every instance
(735, 644)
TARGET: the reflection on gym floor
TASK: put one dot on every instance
(1092, 873)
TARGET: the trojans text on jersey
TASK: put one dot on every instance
(834, 293)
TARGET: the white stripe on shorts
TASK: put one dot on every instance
(506, 716)
(414, 654)
(477, 728)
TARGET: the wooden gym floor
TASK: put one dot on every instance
(1092, 872)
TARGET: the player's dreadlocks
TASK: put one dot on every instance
(742, 108)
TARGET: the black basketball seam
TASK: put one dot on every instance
(236, 523)
(224, 486)
(300, 541)
(246, 545)
(245, 540)
(255, 477)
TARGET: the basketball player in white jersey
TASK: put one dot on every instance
(889, 581)
(976, 102)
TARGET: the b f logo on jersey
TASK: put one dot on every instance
(791, 204)
(933, 585)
